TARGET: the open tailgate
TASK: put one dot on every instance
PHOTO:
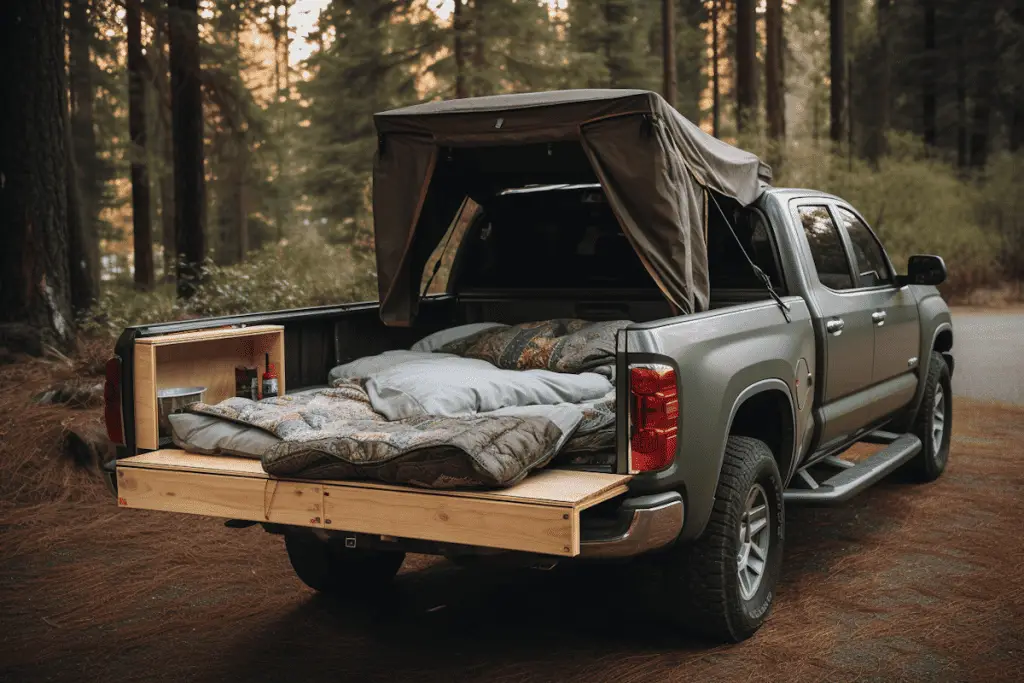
(541, 514)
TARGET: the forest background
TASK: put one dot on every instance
(216, 154)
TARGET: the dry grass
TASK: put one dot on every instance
(906, 582)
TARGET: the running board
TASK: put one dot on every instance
(855, 477)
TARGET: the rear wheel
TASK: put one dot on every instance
(934, 422)
(328, 567)
(723, 584)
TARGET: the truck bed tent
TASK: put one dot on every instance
(654, 165)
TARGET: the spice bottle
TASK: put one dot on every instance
(270, 380)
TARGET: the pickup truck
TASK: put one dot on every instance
(794, 338)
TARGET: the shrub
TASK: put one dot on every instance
(916, 205)
(278, 277)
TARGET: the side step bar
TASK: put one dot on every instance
(855, 477)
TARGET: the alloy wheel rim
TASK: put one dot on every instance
(755, 537)
(938, 421)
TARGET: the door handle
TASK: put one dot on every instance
(835, 326)
(878, 317)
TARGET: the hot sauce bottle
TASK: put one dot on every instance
(269, 380)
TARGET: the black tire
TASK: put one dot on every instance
(931, 462)
(329, 567)
(703, 577)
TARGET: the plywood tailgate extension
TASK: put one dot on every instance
(541, 514)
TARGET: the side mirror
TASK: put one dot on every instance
(924, 269)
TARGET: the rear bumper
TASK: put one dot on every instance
(642, 524)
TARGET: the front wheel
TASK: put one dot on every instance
(723, 584)
(934, 422)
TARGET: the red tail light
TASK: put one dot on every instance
(655, 412)
(112, 401)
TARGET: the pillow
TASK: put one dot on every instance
(434, 341)
(560, 345)
(447, 386)
(367, 366)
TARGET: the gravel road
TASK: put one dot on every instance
(906, 582)
(989, 351)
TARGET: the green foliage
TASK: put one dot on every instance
(274, 278)
(370, 64)
(611, 44)
(508, 46)
(918, 205)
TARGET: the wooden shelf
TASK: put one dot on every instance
(203, 358)
(540, 514)
(209, 335)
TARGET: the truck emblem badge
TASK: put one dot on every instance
(498, 122)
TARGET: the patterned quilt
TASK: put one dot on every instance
(336, 433)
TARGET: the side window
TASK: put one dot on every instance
(826, 247)
(871, 263)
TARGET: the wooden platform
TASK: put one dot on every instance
(540, 514)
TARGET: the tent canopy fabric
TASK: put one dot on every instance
(653, 164)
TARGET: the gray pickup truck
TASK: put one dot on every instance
(771, 333)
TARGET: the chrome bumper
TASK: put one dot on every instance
(649, 528)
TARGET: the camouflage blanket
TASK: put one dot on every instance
(335, 434)
(454, 424)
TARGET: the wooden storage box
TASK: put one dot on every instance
(205, 358)
(541, 514)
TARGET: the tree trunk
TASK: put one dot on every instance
(459, 48)
(164, 147)
(961, 101)
(480, 85)
(928, 99)
(837, 71)
(275, 32)
(670, 83)
(982, 116)
(142, 232)
(775, 88)
(85, 183)
(35, 296)
(878, 112)
(287, 44)
(746, 65)
(187, 128)
(716, 113)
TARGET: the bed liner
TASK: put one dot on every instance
(541, 514)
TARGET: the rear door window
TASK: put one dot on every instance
(872, 266)
(826, 247)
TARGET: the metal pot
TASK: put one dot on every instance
(174, 399)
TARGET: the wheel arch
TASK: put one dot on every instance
(765, 411)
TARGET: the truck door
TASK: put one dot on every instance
(844, 326)
(894, 313)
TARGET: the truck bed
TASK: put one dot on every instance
(541, 514)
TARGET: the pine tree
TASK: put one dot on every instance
(746, 65)
(187, 129)
(35, 295)
(372, 63)
(610, 44)
(87, 175)
(668, 51)
(837, 49)
(775, 88)
(142, 234)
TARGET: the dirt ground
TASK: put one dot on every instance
(906, 582)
